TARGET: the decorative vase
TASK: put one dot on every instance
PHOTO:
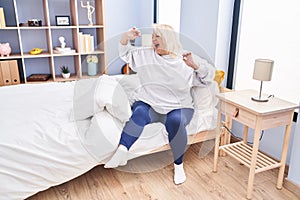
(92, 69)
(66, 76)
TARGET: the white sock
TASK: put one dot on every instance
(179, 175)
(118, 159)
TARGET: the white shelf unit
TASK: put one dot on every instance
(25, 38)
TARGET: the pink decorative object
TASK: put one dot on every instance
(5, 49)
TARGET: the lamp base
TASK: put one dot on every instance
(257, 99)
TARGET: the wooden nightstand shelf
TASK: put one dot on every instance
(238, 106)
(243, 153)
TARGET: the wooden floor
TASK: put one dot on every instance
(230, 182)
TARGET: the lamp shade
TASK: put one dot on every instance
(263, 69)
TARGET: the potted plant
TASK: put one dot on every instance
(65, 72)
(92, 61)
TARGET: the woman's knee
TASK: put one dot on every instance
(181, 116)
(175, 119)
(140, 114)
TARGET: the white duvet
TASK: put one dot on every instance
(46, 138)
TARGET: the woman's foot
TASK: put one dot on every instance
(118, 159)
(179, 174)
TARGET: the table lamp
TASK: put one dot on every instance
(263, 69)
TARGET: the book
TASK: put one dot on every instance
(66, 50)
(87, 42)
(92, 48)
(2, 18)
(80, 36)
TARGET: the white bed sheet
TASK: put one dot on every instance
(41, 147)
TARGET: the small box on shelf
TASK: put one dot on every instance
(38, 77)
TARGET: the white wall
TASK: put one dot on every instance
(208, 25)
(269, 29)
(120, 15)
(199, 21)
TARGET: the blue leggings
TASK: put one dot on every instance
(175, 122)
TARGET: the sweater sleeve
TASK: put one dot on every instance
(204, 75)
(125, 52)
(205, 88)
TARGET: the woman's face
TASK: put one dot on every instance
(158, 42)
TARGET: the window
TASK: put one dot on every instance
(168, 12)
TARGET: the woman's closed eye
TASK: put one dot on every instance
(155, 36)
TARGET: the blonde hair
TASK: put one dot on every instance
(169, 36)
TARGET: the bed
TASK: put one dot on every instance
(56, 131)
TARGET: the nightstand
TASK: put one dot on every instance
(259, 116)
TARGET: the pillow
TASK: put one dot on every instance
(204, 98)
(84, 101)
(96, 94)
(104, 133)
(102, 136)
(219, 77)
(110, 95)
(130, 84)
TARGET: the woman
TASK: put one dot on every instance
(167, 74)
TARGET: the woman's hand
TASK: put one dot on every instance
(189, 61)
(131, 34)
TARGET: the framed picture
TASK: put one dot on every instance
(62, 20)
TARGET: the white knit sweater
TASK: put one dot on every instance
(166, 81)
